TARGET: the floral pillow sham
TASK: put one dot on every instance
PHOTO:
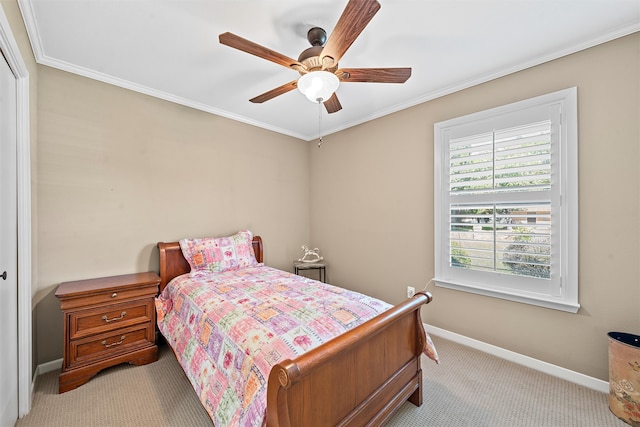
(219, 254)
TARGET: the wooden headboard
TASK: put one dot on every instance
(173, 263)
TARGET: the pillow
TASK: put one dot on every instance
(219, 254)
(430, 349)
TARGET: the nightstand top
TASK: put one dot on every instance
(79, 287)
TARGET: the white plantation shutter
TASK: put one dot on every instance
(502, 236)
(515, 159)
(501, 226)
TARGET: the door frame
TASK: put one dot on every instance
(13, 56)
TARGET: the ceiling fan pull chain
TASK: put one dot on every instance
(319, 123)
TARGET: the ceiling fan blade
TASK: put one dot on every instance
(332, 104)
(353, 20)
(374, 75)
(275, 92)
(248, 46)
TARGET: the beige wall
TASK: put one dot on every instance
(120, 171)
(372, 210)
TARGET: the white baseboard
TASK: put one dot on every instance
(548, 368)
(43, 368)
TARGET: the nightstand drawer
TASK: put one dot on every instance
(103, 319)
(94, 348)
(108, 297)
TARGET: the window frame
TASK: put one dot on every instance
(561, 292)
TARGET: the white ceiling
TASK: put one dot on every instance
(170, 49)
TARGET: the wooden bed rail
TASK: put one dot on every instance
(359, 378)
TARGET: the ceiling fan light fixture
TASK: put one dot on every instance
(318, 86)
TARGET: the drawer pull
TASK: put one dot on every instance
(104, 343)
(124, 313)
(113, 295)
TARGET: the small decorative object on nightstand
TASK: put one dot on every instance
(310, 255)
(107, 321)
(321, 266)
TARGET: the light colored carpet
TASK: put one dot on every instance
(468, 388)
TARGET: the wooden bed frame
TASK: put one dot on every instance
(358, 378)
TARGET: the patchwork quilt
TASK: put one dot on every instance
(227, 330)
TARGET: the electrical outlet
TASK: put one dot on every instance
(411, 291)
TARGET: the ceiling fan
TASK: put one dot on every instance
(318, 65)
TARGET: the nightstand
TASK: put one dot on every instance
(321, 266)
(107, 321)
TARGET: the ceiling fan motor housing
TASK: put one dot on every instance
(310, 58)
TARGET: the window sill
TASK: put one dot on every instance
(525, 298)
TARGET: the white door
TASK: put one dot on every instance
(8, 248)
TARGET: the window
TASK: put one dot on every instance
(506, 202)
